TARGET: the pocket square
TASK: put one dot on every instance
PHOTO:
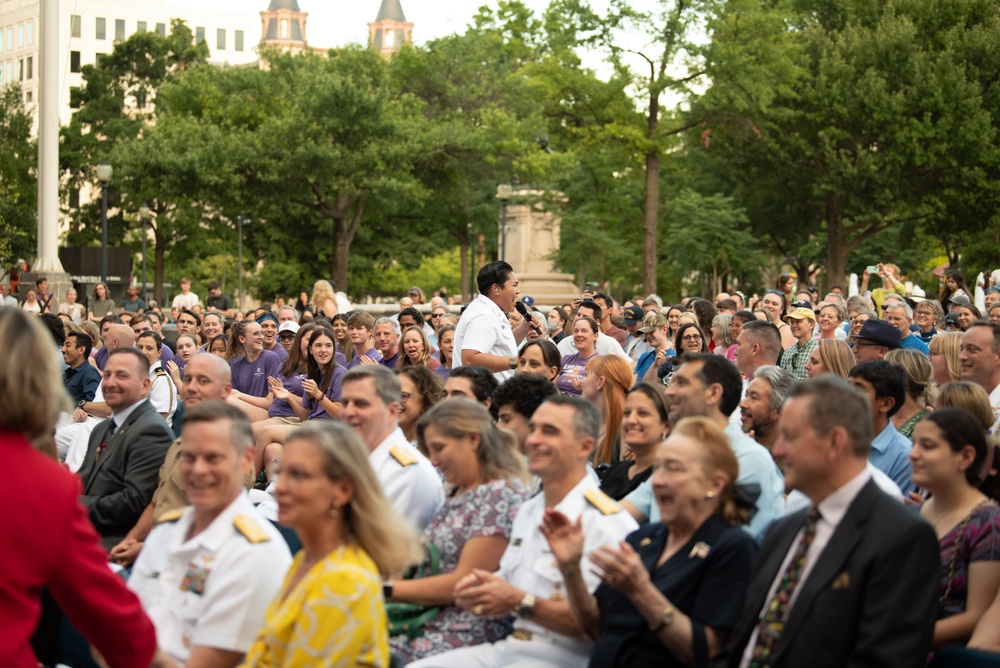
(842, 581)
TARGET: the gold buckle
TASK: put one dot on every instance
(521, 634)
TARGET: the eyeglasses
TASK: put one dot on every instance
(691, 337)
(775, 292)
(405, 396)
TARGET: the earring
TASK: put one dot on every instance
(709, 494)
(335, 511)
(663, 436)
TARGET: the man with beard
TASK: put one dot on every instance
(761, 406)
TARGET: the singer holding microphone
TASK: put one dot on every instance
(484, 336)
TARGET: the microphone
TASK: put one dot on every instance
(526, 314)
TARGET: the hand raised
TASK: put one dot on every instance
(565, 537)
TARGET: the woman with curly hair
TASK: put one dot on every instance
(324, 300)
(421, 389)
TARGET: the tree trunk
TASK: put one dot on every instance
(463, 254)
(651, 206)
(341, 250)
(481, 244)
(159, 254)
(836, 252)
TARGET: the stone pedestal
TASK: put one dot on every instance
(532, 237)
(59, 283)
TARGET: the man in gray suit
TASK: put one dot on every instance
(124, 454)
(852, 581)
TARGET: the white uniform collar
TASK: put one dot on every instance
(216, 533)
(380, 454)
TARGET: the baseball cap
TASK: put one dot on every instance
(800, 313)
(288, 326)
(652, 321)
(633, 314)
(880, 333)
(528, 300)
(952, 319)
(961, 300)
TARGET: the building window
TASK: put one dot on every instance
(10, 71)
(20, 69)
(220, 39)
(10, 39)
(199, 35)
(238, 40)
(283, 28)
(30, 38)
(161, 29)
(20, 36)
(119, 30)
(1, 41)
(1, 74)
(140, 26)
(74, 198)
(31, 67)
(74, 61)
(101, 29)
(28, 97)
(74, 25)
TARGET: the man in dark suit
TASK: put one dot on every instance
(124, 453)
(851, 581)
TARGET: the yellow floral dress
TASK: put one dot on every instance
(335, 616)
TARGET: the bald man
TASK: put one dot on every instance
(207, 377)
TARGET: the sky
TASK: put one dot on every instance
(339, 22)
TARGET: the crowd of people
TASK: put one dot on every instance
(775, 481)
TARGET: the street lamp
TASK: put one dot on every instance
(239, 268)
(104, 172)
(144, 215)
(504, 192)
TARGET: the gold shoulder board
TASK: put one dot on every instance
(602, 502)
(401, 455)
(247, 526)
(171, 515)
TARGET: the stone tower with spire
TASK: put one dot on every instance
(283, 25)
(390, 29)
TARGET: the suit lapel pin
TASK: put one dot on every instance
(842, 581)
(700, 550)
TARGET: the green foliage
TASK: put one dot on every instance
(18, 189)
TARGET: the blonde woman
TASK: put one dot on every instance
(830, 356)
(920, 388)
(416, 350)
(944, 352)
(330, 604)
(70, 307)
(487, 483)
(324, 300)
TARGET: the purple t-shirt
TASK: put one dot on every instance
(167, 355)
(371, 353)
(251, 377)
(573, 366)
(280, 407)
(316, 410)
(280, 352)
(391, 362)
(442, 372)
(101, 357)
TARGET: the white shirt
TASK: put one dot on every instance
(605, 346)
(528, 564)
(832, 510)
(162, 392)
(183, 301)
(995, 403)
(484, 328)
(408, 479)
(214, 589)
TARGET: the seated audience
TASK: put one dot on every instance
(644, 425)
(421, 389)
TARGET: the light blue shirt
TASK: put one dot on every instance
(890, 454)
(913, 342)
(757, 467)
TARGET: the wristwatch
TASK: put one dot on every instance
(513, 362)
(526, 608)
(387, 590)
(666, 619)
(80, 403)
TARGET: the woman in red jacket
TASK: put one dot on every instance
(48, 538)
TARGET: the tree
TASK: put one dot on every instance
(116, 105)
(895, 123)
(18, 185)
(738, 45)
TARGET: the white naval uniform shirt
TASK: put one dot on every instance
(528, 564)
(484, 328)
(213, 589)
(415, 489)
